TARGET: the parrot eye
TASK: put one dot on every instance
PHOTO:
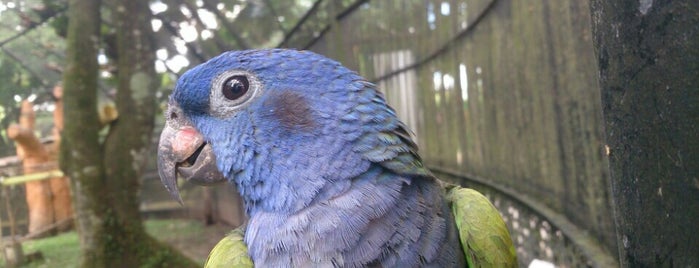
(232, 90)
(235, 87)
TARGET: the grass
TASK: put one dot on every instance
(166, 229)
(63, 250)
(59, 251)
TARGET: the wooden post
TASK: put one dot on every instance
(49, 200)
(11, 250)
(33, 155)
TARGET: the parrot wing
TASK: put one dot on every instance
(384, 139)
(231, 251)
(482, 231)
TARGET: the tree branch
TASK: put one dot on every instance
(174, 32)
(24, 66)
(443, 49)
(31, 27)
(338, 18)
(226, 24)
(275, 15)
(220, 45)
(301, 21)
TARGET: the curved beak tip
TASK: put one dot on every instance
(167, 163)
(183, 151)
(168, 176)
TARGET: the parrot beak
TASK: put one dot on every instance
(182, 149)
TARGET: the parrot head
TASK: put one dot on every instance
(274, 122)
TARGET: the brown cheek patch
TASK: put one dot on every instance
(292, 111)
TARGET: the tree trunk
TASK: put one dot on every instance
(81, 152)
(105, 176)
(648, 55)
(129, 139)
(60, 187)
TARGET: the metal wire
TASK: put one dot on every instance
(449, 44)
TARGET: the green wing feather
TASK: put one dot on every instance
(484, 236)
(231, 251)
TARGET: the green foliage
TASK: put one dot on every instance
(60, 25)
(54, 8)
(28, 63)
(10, 108)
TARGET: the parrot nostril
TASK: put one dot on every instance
(173, 115)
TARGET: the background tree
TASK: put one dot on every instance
(105, 174)
(649, 73)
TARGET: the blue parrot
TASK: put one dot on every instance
(328, 174)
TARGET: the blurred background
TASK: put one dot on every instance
(578, 119)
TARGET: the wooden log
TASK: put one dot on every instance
(38, 193)
(49, 201)
(58, 112)
(60, 186)
(62, 203)
(29, 144)
(27, 118)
